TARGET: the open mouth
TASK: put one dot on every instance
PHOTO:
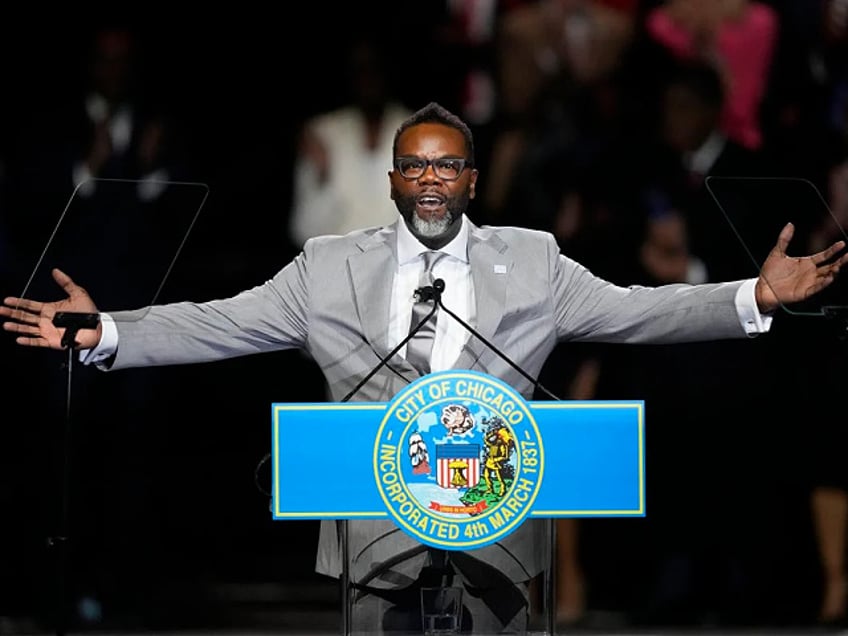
(430, 202)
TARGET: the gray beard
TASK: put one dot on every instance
(433, 227)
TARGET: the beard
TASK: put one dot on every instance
(455, 207)
(431, 228)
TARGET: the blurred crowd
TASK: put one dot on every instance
(621, 126)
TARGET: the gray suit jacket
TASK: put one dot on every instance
(333, 301)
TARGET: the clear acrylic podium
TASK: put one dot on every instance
(459, 465)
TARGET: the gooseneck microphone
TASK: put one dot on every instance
(434, 293)
(429, 293)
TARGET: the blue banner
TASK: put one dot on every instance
(458, 459)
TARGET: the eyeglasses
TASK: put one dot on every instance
(446, 168)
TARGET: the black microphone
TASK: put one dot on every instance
(72, 322)
(430, 292)
(434, 292)
(424, 294)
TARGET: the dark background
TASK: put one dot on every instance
(167, 520)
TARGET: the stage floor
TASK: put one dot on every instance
(257, 610)
(308, 632)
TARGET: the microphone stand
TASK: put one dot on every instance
(71, 322)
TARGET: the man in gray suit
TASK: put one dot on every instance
(346, 300)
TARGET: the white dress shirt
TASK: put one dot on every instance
(458, 295)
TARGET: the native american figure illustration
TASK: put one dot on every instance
(499, 446)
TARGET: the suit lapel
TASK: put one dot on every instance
(491, 266)
(372, 272)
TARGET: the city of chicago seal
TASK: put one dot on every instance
(458, 459)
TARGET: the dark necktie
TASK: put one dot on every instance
(419, 348)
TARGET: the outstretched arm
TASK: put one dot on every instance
(32, 320)
(789, 279)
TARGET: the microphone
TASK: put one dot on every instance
(434, 293)
(424, 294)
(430, 292)
(72, 322)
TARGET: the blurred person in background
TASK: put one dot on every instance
(342, 154)
(738, 38)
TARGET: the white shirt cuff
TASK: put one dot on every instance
(753, 321)
(107, 346)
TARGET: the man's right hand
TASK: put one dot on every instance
(32, 320)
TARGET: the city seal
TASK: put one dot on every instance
(458, 460)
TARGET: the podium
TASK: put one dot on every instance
(457, 466)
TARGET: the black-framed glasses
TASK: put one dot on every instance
(446, 168)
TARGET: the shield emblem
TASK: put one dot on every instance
(457, 465)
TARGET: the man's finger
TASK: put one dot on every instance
(32, 342)
(785, 237)
(15, 304)
(827, 254)
(63, 280)
(20, 328)
(19, 315)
